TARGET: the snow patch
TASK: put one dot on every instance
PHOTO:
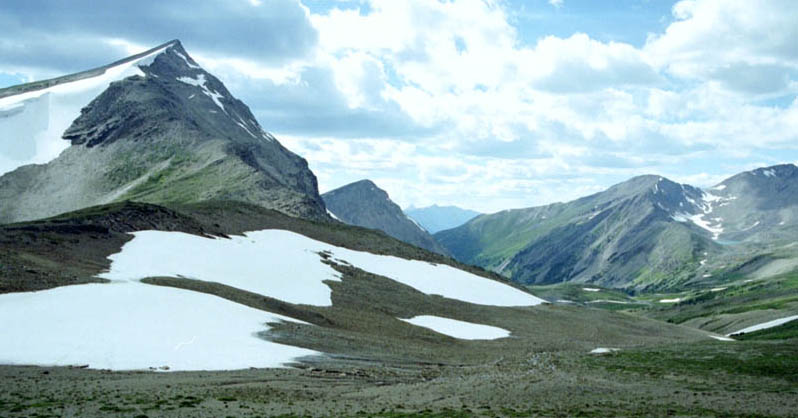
(134, 326)
(200, 82)
(265, 262)
(603, 350)
(707, 225)
(765, 325)
(332, 215)
(720, 338)
(717, 289)
(590, 289)
(190, 65)
(676, 300)
(609, 301)
(752, 226)
(769, 173)
(458, 329)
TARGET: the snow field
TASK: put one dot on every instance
(458, 329)
(286, 266)
(135, 326)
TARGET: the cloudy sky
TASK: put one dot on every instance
(482, 104)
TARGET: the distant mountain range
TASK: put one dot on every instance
(154, 128)
(645, 233)
(438, 218)
(364, 204)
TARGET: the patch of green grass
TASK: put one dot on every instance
(769, 360)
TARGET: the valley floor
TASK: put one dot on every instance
(741, 378)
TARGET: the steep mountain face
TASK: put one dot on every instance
(623, 237)
(165, 131)
(364, 204)
(438, 218)
(758, 206)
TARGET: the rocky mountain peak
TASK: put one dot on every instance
(364, 204)
(165, 130)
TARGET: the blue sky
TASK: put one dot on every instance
(482, 104)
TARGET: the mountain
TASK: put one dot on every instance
(154, 128)
(438, 218)
(364, 204)
(756, 206)
(646, 233)
(625, 236)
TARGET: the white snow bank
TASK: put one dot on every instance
(717, 289)
(132, 326)
(286, 266)
(719, 338)
(765, 325)
(332, 215)
(602, 350)
(279, 264)
(458, 329)
(610, 301)
(34, 121)
(676, 300)
(707, 225)
(590, 289)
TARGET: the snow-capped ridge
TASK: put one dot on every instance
(38, 113)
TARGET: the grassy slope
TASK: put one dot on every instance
(385, 367)
(706, 379)
(735, 307)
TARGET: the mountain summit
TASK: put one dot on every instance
(163, 131)
(364, 204)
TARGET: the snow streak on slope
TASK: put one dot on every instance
(31, 124)
(287, 266)
(131, 326)
(458, 329)
(213, 94)
(765, 325)
(703, 219)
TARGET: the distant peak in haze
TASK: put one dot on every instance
(438, 218)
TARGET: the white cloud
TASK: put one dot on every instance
(557, 3)
(598, 111)
(426, 96)
(749, 45)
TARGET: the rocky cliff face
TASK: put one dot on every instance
(364, 204)
(171, 134)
